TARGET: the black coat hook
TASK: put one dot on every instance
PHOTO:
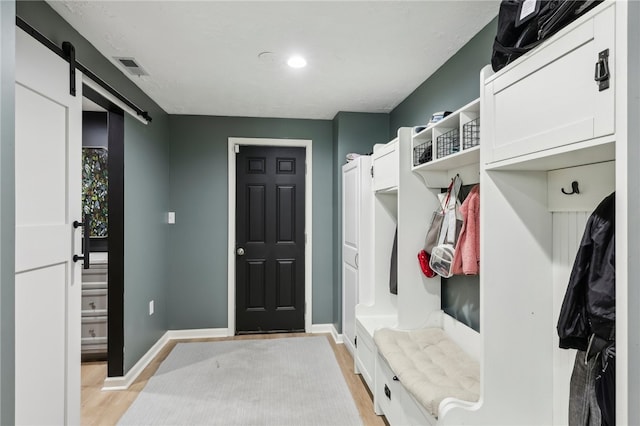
(574, 189)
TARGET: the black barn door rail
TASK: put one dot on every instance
(67, 52)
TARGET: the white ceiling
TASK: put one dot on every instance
(203, 56)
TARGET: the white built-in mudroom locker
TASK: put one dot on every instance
(552, 147)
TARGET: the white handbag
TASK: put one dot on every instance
(441, 261)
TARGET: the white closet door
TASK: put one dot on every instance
(48, 287)
(351, 212)
(350, 249)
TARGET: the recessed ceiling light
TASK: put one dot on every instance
(297, 62)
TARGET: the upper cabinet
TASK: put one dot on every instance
(558, 95)
(385, 167)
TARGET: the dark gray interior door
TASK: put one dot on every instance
(270, 240)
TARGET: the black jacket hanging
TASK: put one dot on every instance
(393, 269)
(589, 305)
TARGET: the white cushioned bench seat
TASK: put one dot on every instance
(430, 366)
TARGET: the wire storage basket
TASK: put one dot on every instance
(471, 133)
(448, 143)
(422, 153)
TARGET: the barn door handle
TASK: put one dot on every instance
(86, 225)
(240, 251)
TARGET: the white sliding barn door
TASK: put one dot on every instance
(48, 192)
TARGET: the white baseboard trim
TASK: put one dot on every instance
(123, 382)
(198, 333)
(327, 328)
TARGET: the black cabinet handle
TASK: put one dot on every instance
(602, 70)
(387, 391)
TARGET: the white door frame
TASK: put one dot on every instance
(308, 197)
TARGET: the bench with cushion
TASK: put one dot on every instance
(424, 366)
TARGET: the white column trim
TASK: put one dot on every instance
(308, 290)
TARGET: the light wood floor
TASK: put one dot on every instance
(106, 407)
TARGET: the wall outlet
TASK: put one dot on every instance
(171, 218)
(151, 308)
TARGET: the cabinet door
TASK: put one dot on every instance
(349, 302)
(350, 213)
(385, 167)
(551, 98)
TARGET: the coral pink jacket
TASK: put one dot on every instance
(466, 259)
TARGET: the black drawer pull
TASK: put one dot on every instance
(387, 391)
(395, 379)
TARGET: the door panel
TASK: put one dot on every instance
(255, 285)
(48, 284)
(44, 289)
(34, 189)
(285, 284)
(256, 212)
(350, 300)
(270, 229)
(286, 214)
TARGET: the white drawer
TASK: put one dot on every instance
(94, 346)
(365, 355)
(549, 98)
(94, 343)
(415, 413)
(94, 302)
(389, 393)
(94, 327)
(95, 273)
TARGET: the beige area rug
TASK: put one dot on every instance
(287, 381)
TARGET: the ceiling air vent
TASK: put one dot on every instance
(132, 66)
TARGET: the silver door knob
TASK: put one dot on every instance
(240, 251)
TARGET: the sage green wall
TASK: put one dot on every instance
(352, 132)
(146, 202)
(198, 288)
(7, 212)
(146, 188)
(452, 86)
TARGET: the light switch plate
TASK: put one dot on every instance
(171, 218)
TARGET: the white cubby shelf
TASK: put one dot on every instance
(448, 152)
